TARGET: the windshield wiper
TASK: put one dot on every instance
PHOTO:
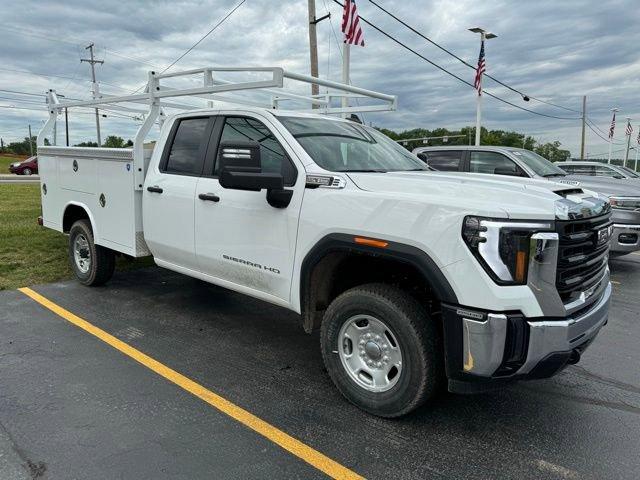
(363, 171)
(548, 175)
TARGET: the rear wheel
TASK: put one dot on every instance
(382, 350)
(92, 264)
(26, 171)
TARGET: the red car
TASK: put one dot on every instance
(25, 167)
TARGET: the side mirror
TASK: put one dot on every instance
(511, 172)
(240, 168)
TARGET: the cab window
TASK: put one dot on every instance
(444, 161)
(186, 155)
(493, 163)
(273, 156)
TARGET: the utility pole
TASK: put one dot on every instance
(313, 47)
(30, 142)
(484, 35)
(2, 146)
(66, 123)
(94, 87)
(584, 121)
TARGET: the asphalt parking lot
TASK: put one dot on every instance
(75, 404)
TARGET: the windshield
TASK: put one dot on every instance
(630, 172)
(350, 147)
(540, 165)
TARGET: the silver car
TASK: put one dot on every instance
(624, 195)
(598, 169)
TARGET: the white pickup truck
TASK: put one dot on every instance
(415, 278)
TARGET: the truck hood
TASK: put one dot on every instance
(603, 185)
(515, 197)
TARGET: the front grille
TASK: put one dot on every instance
(581, 261)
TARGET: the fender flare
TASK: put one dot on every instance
(342, 242)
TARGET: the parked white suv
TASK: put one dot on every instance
(413, 277)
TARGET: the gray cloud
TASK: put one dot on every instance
(556, 51)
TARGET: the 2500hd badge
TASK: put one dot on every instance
(251, 264)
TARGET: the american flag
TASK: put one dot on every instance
(629, 129)
(613, 126)
(482, 66)
(351, 24)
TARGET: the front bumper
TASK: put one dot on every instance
(625, 238)
(486, 349)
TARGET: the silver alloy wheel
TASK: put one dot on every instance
(370, 353)
(82, 253)
(26, 171)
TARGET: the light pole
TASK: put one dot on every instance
(484, 35)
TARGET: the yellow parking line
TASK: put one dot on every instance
(614, 282)
(277, 436)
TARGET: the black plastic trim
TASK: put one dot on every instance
(408, 254)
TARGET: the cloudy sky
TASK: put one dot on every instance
(551, 50)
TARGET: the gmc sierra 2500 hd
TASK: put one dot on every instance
(414, 278)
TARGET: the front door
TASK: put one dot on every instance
(169, 193)
(242, 241)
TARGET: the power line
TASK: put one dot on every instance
(224, 19)
(391, 37)
(523, 95)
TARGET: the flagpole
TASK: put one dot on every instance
(478, 116)
(611, 130)
(626, 155)
(346, 54)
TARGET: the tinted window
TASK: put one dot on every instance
(444, 161)
(602, 171)
(580, 169)
(493, 163)
(273, 157)
(185, 156)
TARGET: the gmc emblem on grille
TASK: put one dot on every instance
(603, 235)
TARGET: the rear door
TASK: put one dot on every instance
(169, 192)
(241, 241)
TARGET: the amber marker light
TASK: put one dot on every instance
(370, 242)
(521, 266)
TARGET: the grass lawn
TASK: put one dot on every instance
(5, 162)
(30, 254)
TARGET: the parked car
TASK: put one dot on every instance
(598, 169)
(624, 195)
(25, 167)
(413, 278)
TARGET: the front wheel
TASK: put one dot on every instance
(382, 350)
(92, 264)
(26, 171)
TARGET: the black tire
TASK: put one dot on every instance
(102, 260)
(418, 339)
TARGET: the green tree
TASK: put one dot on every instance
(86, 144)
(22, 148)
(552, 151)
(113, 141)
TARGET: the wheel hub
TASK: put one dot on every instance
(373, 350)
(370, 353)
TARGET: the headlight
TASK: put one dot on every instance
(625, 203)
(502, 246)
(15, 164)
